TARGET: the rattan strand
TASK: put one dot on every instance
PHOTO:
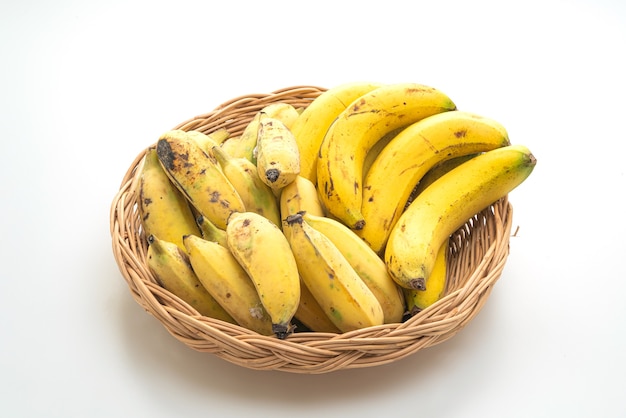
(478, 253)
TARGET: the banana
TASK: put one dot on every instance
(278, 158)
(172, 269)
(164, 210)
(244, 145)
(204, 141)
(311, 314)
(368, 265)
(437, 171)
(299, 196)
(418, 300)
(376, 149)
(354, 132)
(228, 283)
(264, 253)
(311, 126)
(255, 194)
(210, 232)
(407, 158)
(446, 205)
(198, 177)
(335, 285)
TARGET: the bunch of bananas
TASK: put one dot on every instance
(333, 217)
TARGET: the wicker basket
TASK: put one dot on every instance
(478, 253)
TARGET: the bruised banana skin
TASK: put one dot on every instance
(311, 314)
(368, 265)
(228, 283)
(299, 196)
(198, 177)
(355, 131)
(408, 157)
(164, 210)
(173, 271)
(335, 285)
(264, 253)
(446, 205)
(243, 175)
(418, 300)
(311, 126)
(278, 157)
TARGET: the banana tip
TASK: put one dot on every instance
(418, 284)
(282, 330)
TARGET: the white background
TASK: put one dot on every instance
(85, 86)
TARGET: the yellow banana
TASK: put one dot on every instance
(407, 158)
(437, 171)
(210, 232)
(299, 196)
(204, 141)
(228, 283)
(278, 158)
(264, 253)
(244, 145)
(418, 300)
(376, 149)
(368, 265)
(446, 205)
(198, 177)
(354, 132)
(309, 129)
(335, 285)
(164, 210)
(311, 314)
(172, 269)
(243, 175)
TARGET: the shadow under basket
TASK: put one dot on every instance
(478, 252)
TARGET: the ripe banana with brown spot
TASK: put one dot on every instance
(311, 126)
(277, 158)
(335, 285)
(356, 130)
(243, 175)
(368, 265)
(408, 157)
(164, 210)
(198, 176)
(264, 253)
(172, 269)
(223, 277)
(446, 205)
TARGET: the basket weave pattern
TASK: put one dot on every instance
(478, 252)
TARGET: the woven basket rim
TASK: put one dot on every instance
(478, 252)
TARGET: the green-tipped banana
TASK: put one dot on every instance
(164, 210)
(198, 177)
(172, 269)
(446, 205)
(210, 232)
